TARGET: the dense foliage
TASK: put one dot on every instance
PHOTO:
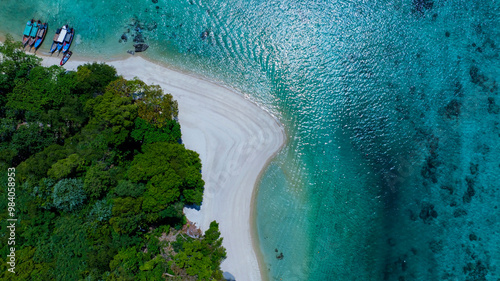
(101, 177)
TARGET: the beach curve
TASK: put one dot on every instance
(235, 139)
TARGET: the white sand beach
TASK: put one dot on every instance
(235, 139)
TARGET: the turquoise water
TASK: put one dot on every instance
(392, 167)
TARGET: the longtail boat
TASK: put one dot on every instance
(60, 39)
(65, 58)
(42, 31)
(54, 41)
(27, 31)
(68, 39)
(33, 33)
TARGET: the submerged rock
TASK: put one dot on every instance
(139, 38)
(429, 169)
(448, 188)
(476, 77)
(141, 47)
(280, 256)
(428, 213)
(470, 190)
(492, 106)
(472, 237)
(473, 168)
(476, 271)
(452, 109)
(414, 250)
(459, 213)
(422, 5)
(204, 34)
(478, 28)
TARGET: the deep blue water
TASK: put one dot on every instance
(391, 171)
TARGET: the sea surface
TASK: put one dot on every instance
(392, 109)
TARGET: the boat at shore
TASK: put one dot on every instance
(68, 40)
(62, 36)
(33, 33)
(27, 32)
(65, 58)
(42, 31)
(54, 41)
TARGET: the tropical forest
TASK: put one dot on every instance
(100, 177)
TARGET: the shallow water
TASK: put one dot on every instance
(391, 171)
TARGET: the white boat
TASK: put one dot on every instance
(62, 34)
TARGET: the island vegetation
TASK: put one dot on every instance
(101, 177)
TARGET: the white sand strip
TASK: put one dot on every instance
(235, 139)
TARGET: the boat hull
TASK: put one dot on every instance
(60, 39)
(53, 47)
(40, 38)
(33, 34)
(65, 58)
(26, 39)
(31, 42)
(27, 31)
(67, 44)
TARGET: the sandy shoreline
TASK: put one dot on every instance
(235, 139)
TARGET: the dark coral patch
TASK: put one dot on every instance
(472, 237)
(452, 109)
(428, 213)
(470, 190)
(492, 106)
(476, 271)
(421, 5)
(476, 76)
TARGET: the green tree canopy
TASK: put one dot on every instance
(156, 107)
(145, 133)
(127, 215)
(159, 161)
(98, 180)
(68, 194)
(66, 167)
(93, 78)
(114, 111)
(38, 91)
(14, 64)
(202, 258)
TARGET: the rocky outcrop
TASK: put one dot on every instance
(141, 47)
